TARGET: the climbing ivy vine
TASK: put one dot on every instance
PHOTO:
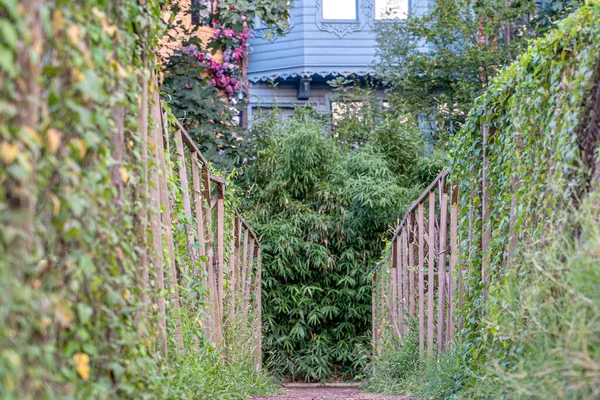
(541, 152)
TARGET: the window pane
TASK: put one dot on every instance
(339, 9)
(391, 9)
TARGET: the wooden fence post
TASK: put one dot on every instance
(405, 282)
(411, 262)
(431, 272)
(421, 278)
(485, 210)
(220, 248)
(453, 260)
(143, 213)
(442, 263)
(155, 223)
(258, 305)
(168, 234)
(212, 285)
(184, 187)
(246, 296)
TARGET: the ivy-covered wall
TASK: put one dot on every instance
(541, 117)
(80, 298)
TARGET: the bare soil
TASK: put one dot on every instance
(330, 393)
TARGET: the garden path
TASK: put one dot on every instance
(330, 393)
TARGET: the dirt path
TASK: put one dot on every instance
(329, 393)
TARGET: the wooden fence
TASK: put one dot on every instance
(420, 283)
(231, 271)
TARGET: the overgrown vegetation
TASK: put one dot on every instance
(535, 333)
(79, 318)
(322, 201)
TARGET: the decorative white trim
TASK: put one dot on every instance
(365, 15)
(308, 73)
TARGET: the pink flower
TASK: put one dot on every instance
(229, 90)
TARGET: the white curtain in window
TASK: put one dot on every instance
(339, 9)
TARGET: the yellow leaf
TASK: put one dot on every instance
(32, 134)
(82, 362)
(126, 294)
(124, 174)
(8, 152)
(98, 13)
(54, 138)
(73, 33)
(45, 322)
(58, 21)
(81, 146)
(55, 204)
(109, 29)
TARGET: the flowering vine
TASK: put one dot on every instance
(225, 75)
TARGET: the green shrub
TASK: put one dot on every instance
(322, 208)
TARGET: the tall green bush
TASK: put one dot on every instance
(322, 207)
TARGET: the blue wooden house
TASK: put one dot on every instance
(327, 38)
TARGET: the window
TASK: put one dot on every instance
(391, 9)
(339, 10)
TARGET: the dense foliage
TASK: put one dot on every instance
(439, 62)
(78, 320)
(322, 204)
(535, 333)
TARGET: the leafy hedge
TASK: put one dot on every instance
(74, 320)
(535, 334)
(322, 203)
(541, 155)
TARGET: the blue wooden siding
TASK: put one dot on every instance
(317, 46)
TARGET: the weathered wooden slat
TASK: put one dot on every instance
(244, 268)
(394, 283)
(421, 247)
(167, 225)
(411, 262)
(258, 305)
(485, 209)
(401, 267)
(220, 248)
(142, 226)
(431, 272)
(199, 208)
(247, 282)
(404, 278)
(189, 142)
(185, 195)
(421, 198)
(454, 257)
(442, 247)
(155, 226)
(212, 284)
(233, 264)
